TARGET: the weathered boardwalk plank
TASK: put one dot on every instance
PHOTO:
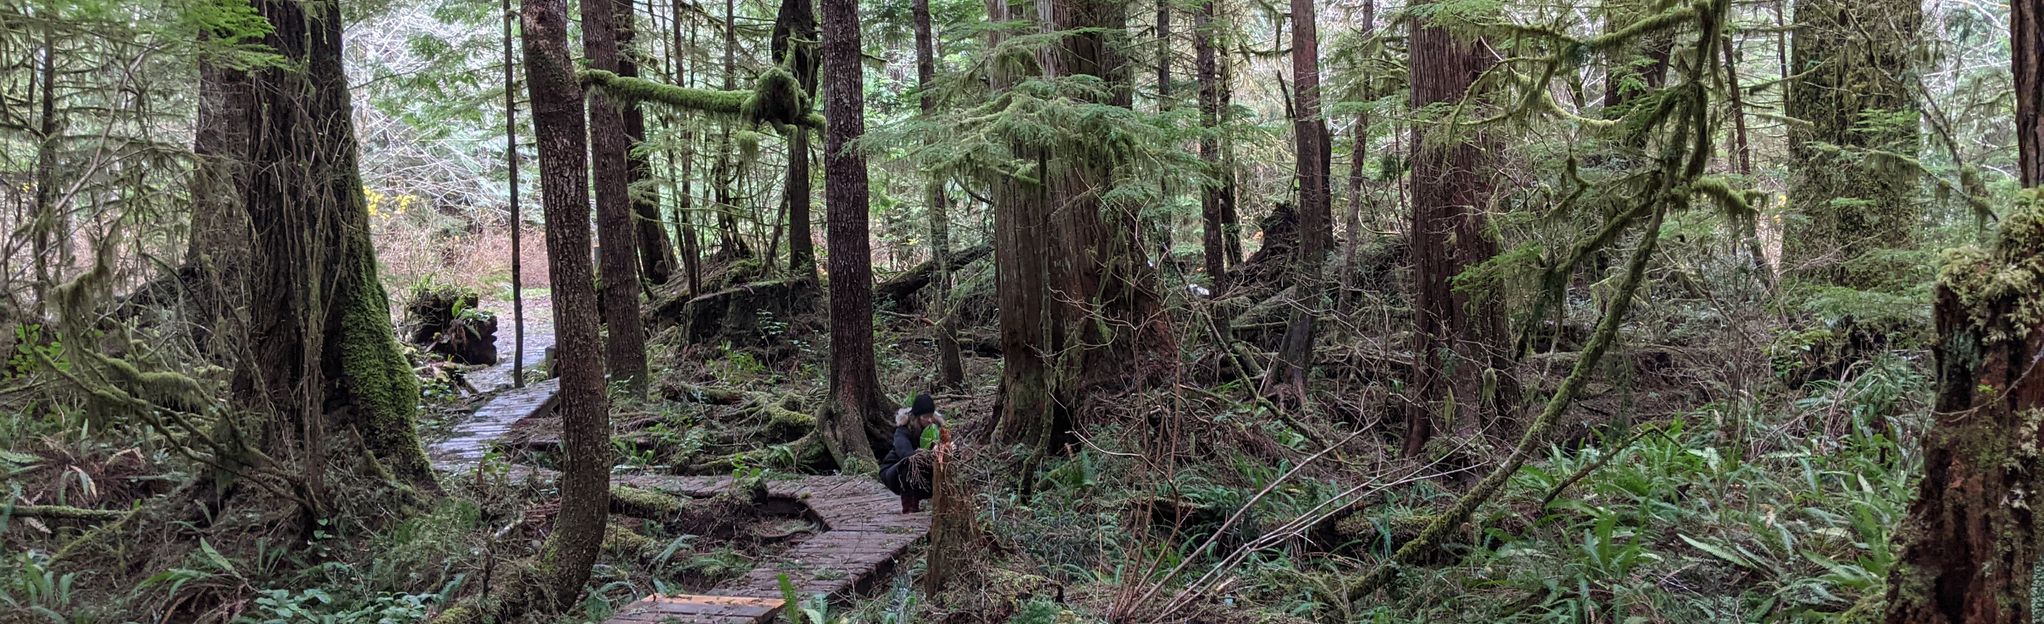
(866, 531)
(472, 439)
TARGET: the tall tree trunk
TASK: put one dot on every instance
(950, 362)
(2026, 28)
(218, 254)
(1309, 131)
(557, 119)
(1749, 234)
(517, 210)
(794, 28)
(323, 354)
(656, 249)
(731, 244)
(1163, 225)
(1098, 269)
(617, 237)
(691, 244)
(1853, 85)
(857, 420)
(1358, 166)
(1206, 61)
(1451, 192)
(1231, 218)
(46, 227)
(1029, 409)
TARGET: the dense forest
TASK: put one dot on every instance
(1033, 311)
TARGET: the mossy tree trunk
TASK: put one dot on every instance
(1312, 155)
(1853, 88)
(792, 47)
(322, 353)
(1969, 547)
(617, 235)
(1455, 339)
(857, 421)
(950, 361)
(557, 118)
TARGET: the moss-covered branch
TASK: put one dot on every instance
(1600, 342)
(67, 512)
(775, 99)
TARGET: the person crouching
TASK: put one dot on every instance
(907, 469)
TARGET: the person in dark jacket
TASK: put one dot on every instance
(907, 469)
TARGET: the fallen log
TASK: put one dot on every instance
(898, 290)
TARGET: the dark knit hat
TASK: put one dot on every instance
(923, 405)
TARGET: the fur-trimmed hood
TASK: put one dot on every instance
(902, 416)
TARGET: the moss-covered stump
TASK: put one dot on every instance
(447, 321)
(1970, 546)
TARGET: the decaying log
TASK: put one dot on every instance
(900, 290)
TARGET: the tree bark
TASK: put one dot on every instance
(2026, 28)
(950, 359)
(730, 243)
(617, 237)
(1028, 410)
(218, 256)
(794, 28)
(685, 208)
(655, 247)
(1205, 61)
(1854, 84)
(1098, 269)
(857, 421)
(1969, 546)
(1313, 153)
(323, 355)
(1451, 192)
(557, 118)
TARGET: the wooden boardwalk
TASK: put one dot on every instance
(864, 535)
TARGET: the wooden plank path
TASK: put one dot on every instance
(864, 535)
(471, 439)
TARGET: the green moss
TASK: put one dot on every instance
(2002, 288)
(375, 377)
(642, 503)
(776, 99)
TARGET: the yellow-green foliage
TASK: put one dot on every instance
(2007, 278)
